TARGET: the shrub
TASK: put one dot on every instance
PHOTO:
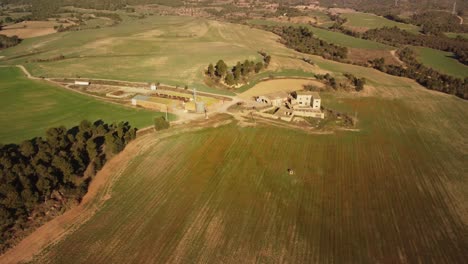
(160, 123)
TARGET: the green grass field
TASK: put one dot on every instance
(330, 36)
(170, 50)
(441, 61)
(30, 107)
(366, 21)
(393, 192)
(454, 35)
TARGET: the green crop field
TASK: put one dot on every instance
(30, 107)
(393, 192)
(170, 50)
(330, 36)
(442, 61)
(454, 35)
(365, 21)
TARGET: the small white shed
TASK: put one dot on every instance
(82, 83)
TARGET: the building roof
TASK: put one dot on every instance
(315, 95)
(141, 97)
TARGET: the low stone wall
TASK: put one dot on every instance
(152, 105)
(309, 114)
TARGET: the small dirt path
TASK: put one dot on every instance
(393, 52)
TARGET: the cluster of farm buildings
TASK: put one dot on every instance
(286, 106)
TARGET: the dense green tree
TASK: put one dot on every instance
(230, 79)
(211, 70)
(221, 68)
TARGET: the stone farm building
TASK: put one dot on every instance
(274, 99)
(286, 106)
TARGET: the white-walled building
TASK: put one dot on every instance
(82, 83)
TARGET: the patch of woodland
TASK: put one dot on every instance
(396, 36)
(350, 84)
(303, 40)
(221, 75)
(425, 76)
(7, 42)
(43, 177)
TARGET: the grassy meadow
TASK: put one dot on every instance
(454, 35)
(170, 50)
(365, 21)
(392, 192)
(330, 36)
(30, 107)
(441, 61)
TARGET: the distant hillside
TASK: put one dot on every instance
(384, 6)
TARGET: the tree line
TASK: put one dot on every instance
(394, 35)
(356, 83)
(303, 40)
(238, 73)
(425, 76)
(6, 42)
(54, 170)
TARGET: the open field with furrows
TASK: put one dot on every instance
(364, 21)
(393, 192)
(170, 50)
(30, 107)
(441, 61)
(329, 36)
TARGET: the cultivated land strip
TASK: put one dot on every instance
(99, 191)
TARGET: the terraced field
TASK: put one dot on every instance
(442, 61)
(393, 192)
(30, 107)
(365, 21)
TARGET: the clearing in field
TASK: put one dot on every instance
(224, 194)
(35, 106)
(272, 86)
(362, 22)
(441, 61)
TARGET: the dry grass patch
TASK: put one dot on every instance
(286, 85)
(30, 29)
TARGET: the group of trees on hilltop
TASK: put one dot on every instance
(384, 7)
(303, 40)
(437, 22)
(57, 167)
(239, 72)
(425, 76)
(6, 42)
(397, 36)
(356, 83)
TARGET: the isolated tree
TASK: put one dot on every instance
(230, 79)
(258, 67)
(267, 60)
(237, 71)
(221, 68)
(211, 70)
